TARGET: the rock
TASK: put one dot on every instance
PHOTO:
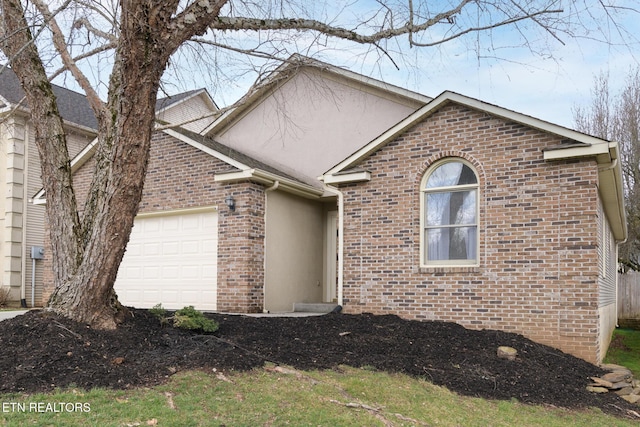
(623, 371)
(508, 353)
(620, 385)
(625, 391)
(596, 389)
(118, 361)
(602, 383)
(611, 367)
(632, 398)
(616, 377)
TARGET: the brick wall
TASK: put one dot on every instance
(179, 177)
(538, 263)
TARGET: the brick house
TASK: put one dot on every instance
(437, 209)
(488, 218)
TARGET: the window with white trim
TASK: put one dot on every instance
(449, 214)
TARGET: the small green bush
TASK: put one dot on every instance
(190, 318)
(158, 311)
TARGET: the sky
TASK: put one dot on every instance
(547, 81)
(495, 68)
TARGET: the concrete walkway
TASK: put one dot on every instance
(10, 314)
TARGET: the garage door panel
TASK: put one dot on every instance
(171, 260)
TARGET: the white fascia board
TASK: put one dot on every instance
(39, 198)
(346, 177)
(83, 155)
(596, 149)
(267, 178)
(290, 185)
(228, 160)
(200, 93)
(242, 175)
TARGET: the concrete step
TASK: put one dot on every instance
(320, 307)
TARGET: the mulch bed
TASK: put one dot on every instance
(41, 351)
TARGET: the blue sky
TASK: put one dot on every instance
(495, 67)
(491, 66)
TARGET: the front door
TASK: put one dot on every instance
(331, 258)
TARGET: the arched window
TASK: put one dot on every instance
(449, 197)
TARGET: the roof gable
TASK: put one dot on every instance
(312, 115)
(447, 97)
(576, 145)
(293, 66)
(193, 110)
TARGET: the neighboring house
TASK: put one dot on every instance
(438, 209)
(22, 222)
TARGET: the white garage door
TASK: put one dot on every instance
(171, 259)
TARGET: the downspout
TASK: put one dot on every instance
(273, 187)
(617, 279)
(340, 272)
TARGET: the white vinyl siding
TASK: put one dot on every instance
(607, 261)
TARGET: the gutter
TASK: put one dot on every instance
(607, 158)
(267, 178)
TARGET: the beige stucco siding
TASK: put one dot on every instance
(313, 121)
(294, 251)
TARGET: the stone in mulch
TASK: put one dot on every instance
(620, 381)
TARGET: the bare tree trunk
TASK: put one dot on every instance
(116, 190)
(88, 248)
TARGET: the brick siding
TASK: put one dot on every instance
(538, 262)
(180, 177)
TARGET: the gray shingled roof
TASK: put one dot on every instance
(73, 106)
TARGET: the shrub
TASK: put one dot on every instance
(158, 311)
(190, 318)
(185, 318)
(4, 295)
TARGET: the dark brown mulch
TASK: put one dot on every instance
(41, 351)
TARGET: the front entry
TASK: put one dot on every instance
(331, 258)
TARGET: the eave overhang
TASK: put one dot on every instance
(270, 179)
(610, 184)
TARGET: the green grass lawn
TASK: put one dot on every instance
(625, 350)
(349, 397)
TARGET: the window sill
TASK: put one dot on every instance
(450, 269)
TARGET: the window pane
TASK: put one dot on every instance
(449, 208)
(457, 243)
(450, 174)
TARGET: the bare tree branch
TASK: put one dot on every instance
(61, 46)
(252, 24)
